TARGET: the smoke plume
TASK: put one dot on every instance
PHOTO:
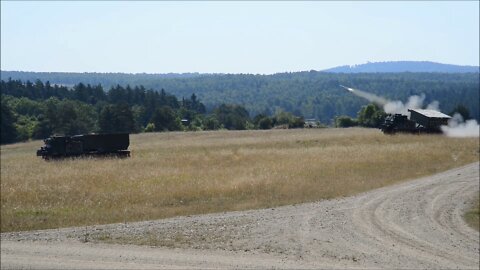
(396, 106)
(414, 102)
(458, 128)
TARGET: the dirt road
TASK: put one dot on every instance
(416, 224)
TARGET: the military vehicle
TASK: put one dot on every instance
(420, 121)
(85, 145)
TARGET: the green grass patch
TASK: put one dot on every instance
(472, 216)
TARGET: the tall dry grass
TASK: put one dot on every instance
(191, 173)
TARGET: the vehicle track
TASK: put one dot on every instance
(415, 224)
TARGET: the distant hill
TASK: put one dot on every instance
(403, 66)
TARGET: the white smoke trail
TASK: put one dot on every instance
(414, 102)
(368, 96)
(458, 128)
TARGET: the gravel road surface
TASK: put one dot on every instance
(415, 224)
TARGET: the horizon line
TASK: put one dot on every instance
(248, 73)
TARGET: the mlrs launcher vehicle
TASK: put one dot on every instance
(85, 145)
(421, 121)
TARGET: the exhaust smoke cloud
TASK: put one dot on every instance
(414, 102)
(457, 127)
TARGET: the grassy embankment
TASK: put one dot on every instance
(173, 174)
(472, 216)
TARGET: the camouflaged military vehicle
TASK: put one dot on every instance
(85, 145)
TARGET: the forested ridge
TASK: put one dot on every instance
(404, 66)
(39, 108)
(311, 94)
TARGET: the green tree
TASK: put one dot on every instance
(26, 106)
(196, 124)
(116, 118)
(283, 118)
(42, 129)
(232, 117)
(124, 120)
(211, 123)
(68, 122)
(371, 116)
(138, 115)
(8, 131)
(25, 126)
(164, 119)
(106, 119)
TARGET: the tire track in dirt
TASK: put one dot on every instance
(415, 224)
(415, 233)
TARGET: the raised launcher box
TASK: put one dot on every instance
(430, 120)
(86, 145)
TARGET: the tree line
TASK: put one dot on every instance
(312, 94)
(38, 110)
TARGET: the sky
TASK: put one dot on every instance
(233, 37)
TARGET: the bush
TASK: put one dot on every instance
(297, 122)
(345, 121)
(265, 123)
(289, 120)
(211, 123)
(150, 127)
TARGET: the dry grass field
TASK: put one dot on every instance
(173, 174)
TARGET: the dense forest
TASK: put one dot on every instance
(38, 110)
(61, 104)
(310, 94)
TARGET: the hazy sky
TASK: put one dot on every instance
(233, 37)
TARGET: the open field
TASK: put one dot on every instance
(415, 224)
(172, 174)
